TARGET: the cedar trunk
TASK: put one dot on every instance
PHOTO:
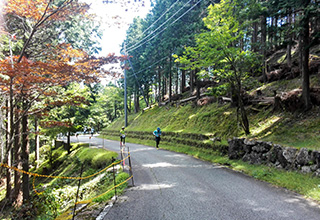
(305, 59)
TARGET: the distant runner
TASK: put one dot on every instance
(122, 136)
(157, 134)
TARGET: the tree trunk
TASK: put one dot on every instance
(164, 86)
(130, 103)
(289, 37)
(8, 160)
(234, 95)
(191, 82)
(25, 153)
(17, 163)
(170, 79)
(254, 37)
(37, 142)
(244, 117)
(177, 82)
(183, 80)
(159, 83)
(10, 129)
(115, 110)
(159, 87)
(68, 141)
(263, 47)
(197, 84)
(3, 133)
(136, 102)
(305, 58)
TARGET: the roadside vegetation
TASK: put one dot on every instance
(54, 198)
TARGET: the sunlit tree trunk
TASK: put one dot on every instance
(183, 80)
(37, 142)
(170, 78)
(191, 81)
(10, 129)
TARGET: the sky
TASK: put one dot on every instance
(114, 35)
(115, 22)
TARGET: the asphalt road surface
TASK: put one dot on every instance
(173, 186)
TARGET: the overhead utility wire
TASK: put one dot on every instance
(159, 17)
(163, 30)
(135, 74)
(140, 87)
(131, 48)
(134, 46)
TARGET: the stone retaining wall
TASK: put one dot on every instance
(251, 151)
(259, 152)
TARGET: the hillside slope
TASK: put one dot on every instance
(297, 129)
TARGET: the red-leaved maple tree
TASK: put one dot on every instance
(25, 82)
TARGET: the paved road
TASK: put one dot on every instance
(173, 186)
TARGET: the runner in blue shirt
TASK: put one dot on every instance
(157, 134)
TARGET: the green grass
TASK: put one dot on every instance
(96, 157)
(59, 194)
(284, 128)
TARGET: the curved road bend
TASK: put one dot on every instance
(173, 186)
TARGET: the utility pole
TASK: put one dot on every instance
(125, 91)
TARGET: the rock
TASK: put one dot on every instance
(236, 149)
(250, 142)
(303, 157)
(317, 173)
(314, 167)
(262, 147)
(278, 149)
(271, 156)
(289, 154)
(315, 158)
(259, 152)
(305, 169)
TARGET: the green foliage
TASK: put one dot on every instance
(59, 194)
(120, 178)
(108, 106)
(40, 207)
(96, 157)
(220, 90)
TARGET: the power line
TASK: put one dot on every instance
(149, 66)
(159, 17)
(161, 32)
(175, 20)
(135, 45)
